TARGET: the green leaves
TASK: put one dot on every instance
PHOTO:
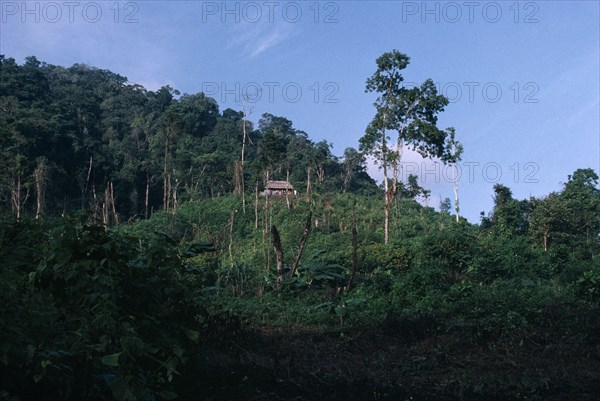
(102, 310)
(111, 360)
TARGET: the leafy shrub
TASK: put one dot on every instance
(588, 285)
(85, 310)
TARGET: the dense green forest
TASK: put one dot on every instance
(139, 262)
(84, 138)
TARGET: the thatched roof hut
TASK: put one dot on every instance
(278, 188)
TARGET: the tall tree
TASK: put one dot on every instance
(571, 217)
(510, 216)
(246, 127)
(277, 132)
(410, 112)
(452, 155)
(352, 164)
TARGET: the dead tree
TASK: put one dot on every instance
(278, 255)
(40, 178)
(276, 240)
(302, 244)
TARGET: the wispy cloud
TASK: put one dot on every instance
(255, 39)
(591, 108)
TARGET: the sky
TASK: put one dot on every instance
(523, 78)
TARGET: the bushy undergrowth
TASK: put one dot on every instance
(88, 313)
(91, 314)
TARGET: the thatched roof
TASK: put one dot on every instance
(278, 185)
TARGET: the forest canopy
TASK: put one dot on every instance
(85, 138)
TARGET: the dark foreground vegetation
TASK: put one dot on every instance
(167, 275)
(188, 306)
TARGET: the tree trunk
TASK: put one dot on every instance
(278, 256)
(266, 249)
(308, 174)
(147, 195)
(87, 182)
(287, 192)
(456, 207)
(387, 220)
(321, 174)
(112, 202)
(17, 198)
(256, 207)
(166, 175)
(95, 204)
(175, 201)
(39, 176)
(302, 244)
(386, 190)
(105, 208)
(237, 181)
(243, 187)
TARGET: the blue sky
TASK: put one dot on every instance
(522, 77)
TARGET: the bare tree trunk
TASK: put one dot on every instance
(105, 208)
(108, 208)
(39, 176)
(287, 192)
(455, 182)
(387, 219)
(302, 244)
(245, 137)
(266, 249)
(169, 189)
(17, 197)
(166, 175)
(308, 174)
(386, 189)
(278, 255)
(231, 221)
(347, 178)
(95, 204)
(237, 177)
(175, 201)
(112, 202)
(87, 183)
(321, 174)
(256, 207)
(147, 195)
(18, 200)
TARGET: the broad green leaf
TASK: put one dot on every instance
(111, 360)
(193, 335)
(168, 395)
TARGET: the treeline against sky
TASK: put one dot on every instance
(85, 138)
